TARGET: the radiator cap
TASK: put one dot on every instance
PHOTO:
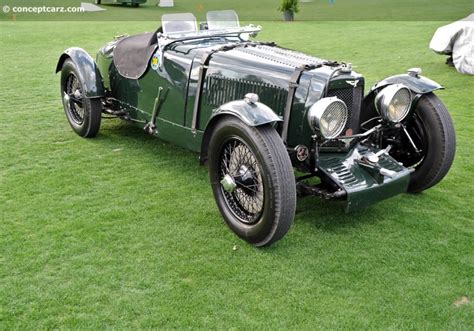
(251, 98)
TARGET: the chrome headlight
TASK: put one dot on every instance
(328, 117)
(393, 102)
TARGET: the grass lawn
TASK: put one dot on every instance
(122, 231)
(260, 10)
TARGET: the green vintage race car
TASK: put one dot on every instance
(256, 112)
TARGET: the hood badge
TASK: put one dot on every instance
(353, 82)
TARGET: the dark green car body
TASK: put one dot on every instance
(198, 81)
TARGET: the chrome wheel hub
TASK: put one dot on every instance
(241, 181)
(66, 98)
(228, 183)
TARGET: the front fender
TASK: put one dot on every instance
(89, 74)
(252, 114)
(417, 83)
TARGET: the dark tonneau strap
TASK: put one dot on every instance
(294, 83)
(205, 59)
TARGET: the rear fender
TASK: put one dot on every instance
(251, 113)
(89, 74)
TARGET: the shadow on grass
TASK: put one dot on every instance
(116, 130)
(324, 215)
(329, 216)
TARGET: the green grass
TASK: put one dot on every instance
(261, 10)
(122, 231)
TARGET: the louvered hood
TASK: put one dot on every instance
(275, 55)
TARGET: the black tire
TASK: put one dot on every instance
(432, 130)
(97, 2)
(262, 206)
(83, 114)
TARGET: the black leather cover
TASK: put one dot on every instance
(132, 54)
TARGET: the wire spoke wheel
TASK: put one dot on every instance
(83, 113)
(252, 180)
(412, 153)
(432, 133)
(246, 200)
(74, 99)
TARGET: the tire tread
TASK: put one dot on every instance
(92, 106)
(278, 166)
(446, 149)
(283, 170)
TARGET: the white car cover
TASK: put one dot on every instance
(457, 38)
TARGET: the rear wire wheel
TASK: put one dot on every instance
(252, 181)
(83, 113)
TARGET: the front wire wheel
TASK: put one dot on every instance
(432, 133)
(246, 198)
(252, 181)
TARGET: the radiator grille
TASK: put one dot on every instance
(220, 90)
(352, 97)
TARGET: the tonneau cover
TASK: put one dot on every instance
(132, 54)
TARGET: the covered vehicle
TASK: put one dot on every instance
(258, 114)
(457, 41)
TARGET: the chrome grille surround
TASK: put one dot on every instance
(352, 97)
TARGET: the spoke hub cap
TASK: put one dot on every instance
(241, 181)
(77, 94)
(228, 183)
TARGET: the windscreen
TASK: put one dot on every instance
(179, 23)
(223, 19)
